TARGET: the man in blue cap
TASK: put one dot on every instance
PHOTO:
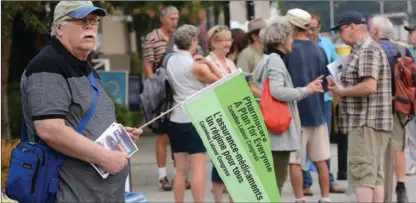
(365, 107)
(56, 95)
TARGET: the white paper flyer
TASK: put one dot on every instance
(336, 68)
(115, 138)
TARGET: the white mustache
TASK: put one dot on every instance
(89, 33)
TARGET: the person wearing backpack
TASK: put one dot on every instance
(411, 126)
(381, 29)
(286, 144)
(158, 43)
(65, 109)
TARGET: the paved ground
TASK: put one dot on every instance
(144, 174)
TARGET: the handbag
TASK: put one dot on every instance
(34, 166)
(276, 114)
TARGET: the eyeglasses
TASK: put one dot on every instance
(342, 29)
(225, 40)
(91, 21)
(313, 29)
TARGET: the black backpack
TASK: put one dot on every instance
(157, 98)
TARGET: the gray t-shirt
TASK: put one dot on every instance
(55, 85)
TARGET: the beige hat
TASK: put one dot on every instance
(299, 18)
(256, 24)
(76, 9)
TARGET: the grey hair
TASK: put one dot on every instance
(168, 10)
(262, 33)
(277, 32)
(184, 36)
(61, 21)
(383, 24)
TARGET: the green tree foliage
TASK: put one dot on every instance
(32, 14)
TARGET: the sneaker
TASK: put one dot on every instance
(401, 195)
(324, 201)
(411, 171)
(164, 184)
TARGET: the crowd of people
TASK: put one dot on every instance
(291, 53)
(287, 51)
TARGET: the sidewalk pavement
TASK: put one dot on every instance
(144, 177)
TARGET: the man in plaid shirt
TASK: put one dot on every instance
(365, 107)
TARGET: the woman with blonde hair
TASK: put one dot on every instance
(220, 41)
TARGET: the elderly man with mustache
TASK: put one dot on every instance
(56, 96)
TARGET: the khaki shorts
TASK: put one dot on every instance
(398, 135)
(366, 147)
(315, 142)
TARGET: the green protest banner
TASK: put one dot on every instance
(228, 119)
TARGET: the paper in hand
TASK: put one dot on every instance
(336, 68)
(115, 138)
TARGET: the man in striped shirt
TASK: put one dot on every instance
(156, 45)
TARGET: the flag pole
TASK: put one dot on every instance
(161, 115)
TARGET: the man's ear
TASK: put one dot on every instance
(59, 29)
(254, 37)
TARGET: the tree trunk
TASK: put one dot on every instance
(5, 59)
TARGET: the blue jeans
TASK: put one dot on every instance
(307, 179)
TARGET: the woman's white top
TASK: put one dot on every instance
(182, 82)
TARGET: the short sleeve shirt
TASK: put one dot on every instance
(367, 59)
(155, 47)
(54, 85)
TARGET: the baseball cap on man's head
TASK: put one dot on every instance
(350, 17)
(76, 9)
(299, 18)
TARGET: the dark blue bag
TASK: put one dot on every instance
(34, 166)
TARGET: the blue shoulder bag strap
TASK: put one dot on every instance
(84, 121)
(94, 90)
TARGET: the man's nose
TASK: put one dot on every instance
(87, 26)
